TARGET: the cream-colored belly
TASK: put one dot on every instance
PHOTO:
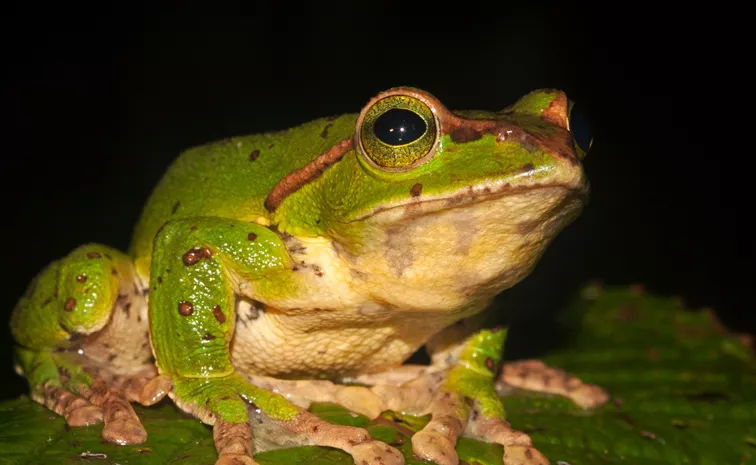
(328, 344)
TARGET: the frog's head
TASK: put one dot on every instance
(433, 208)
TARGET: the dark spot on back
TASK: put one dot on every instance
(251, 236)
(324, 133)
(416, 190)
(196, 254)
(69, 304)
(94, 255)
(82, 278)
(465, 134)
(218, 313)
(185, 308)
(208, 337)
(160, 280)
(175, 208)
(254, 155)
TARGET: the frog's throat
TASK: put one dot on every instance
(470, 196)
(298, 178)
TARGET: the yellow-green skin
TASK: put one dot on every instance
(352, 261)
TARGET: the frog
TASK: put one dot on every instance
(272, 271)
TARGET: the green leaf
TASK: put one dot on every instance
(683, 392)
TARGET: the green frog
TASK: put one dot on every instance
(275, 270)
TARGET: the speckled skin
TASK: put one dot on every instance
(293, 255)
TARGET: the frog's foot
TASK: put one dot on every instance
(75, 409)
(224, 403)
(465, 402)
(534, 375)
(66, 387)
(518, 448)
(354, 441)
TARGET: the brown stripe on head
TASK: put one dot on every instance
(556, 112)
(300, 177)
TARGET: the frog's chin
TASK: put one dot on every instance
(472, 196)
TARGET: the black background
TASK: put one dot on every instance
(97, 103)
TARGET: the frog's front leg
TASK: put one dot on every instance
(459, 391)
(196, 264)
(466, 402)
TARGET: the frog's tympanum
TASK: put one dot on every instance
(280, 269)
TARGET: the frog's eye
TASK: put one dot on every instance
(580, 128)
(397, 132)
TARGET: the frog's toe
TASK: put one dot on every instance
(125, 431)
(84, 416)
(361, 400)
(589, 396)
(376, 453)
(233, 441)
(437, 439)
(534, 375)
(235, 459)
(76, 410)
(122, 426)
(518, 447)
(435, 447)
(523, 455)
(352, 440)
(154, 390)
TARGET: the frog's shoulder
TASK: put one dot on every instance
(231, 177)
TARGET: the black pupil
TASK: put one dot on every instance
(399, 127)
(580, 127)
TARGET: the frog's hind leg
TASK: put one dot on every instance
(83, 319)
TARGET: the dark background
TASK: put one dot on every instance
(97, 104)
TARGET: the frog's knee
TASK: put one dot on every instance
(72, 295)
(88, 285)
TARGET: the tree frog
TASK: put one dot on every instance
(275, 270)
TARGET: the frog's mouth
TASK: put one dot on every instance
(474, 196)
